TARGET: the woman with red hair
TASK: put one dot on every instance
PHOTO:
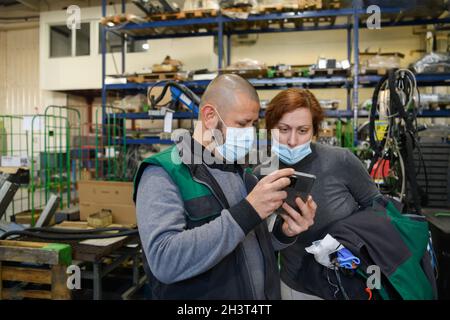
(342, 187)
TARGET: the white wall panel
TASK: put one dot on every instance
(22, 93)
(2, 71)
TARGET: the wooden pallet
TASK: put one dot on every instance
(190, 14)
(240, 9)
(294, 71)
(156, 76)
(261, 9)
(293, 23)
(83, 225)
(121, 18)
(317, 21)
(248, 74)
(329, 72)
(286, 74)
(379, 71)
(278, 8)
(32, 264)
(301, 5)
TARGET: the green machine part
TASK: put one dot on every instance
(348, 135)
(339, 132)
(344, 134)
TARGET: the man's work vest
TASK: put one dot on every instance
(203, 202)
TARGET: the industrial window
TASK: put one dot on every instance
(114, 43)
(65, 42)
(83, 36)
(60, 41)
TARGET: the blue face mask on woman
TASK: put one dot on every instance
(291, 155)
(238, 142)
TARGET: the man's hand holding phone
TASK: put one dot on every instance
(268, 194)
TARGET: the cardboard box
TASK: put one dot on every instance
(100, 219)
(86, 174)
(125, 215)
(109, 195)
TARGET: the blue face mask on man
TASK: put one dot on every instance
(238, 142)
(291, 155)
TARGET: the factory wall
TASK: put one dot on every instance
(20, 91)
(19, 71)
(84, 72)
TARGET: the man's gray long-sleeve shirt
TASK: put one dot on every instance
(174, 253)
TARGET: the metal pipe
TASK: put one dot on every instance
(355, 69)
(220, 41)
(349, 58)
(228, 49)
(103, 43)
(124, 41)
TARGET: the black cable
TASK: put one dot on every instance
(377, 147)
(402, 128)
(332, 284)
(150, 98)
(185, 90)
(182, 88)
(422, 160)
(409, 167)
(384, 162)
(394, 187)
(336, 271)
(418, 103)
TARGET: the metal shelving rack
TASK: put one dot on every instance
(221, 26)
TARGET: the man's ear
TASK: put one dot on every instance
(209, 116)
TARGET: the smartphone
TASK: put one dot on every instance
(301, 185)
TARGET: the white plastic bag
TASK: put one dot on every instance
(321, 249)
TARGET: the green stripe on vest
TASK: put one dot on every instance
(170, 161)
(193, 193)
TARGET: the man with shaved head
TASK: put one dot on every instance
(202, 222)
(229, 101)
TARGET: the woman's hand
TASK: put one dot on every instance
(298, 222)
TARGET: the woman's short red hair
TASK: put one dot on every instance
(290, 100)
